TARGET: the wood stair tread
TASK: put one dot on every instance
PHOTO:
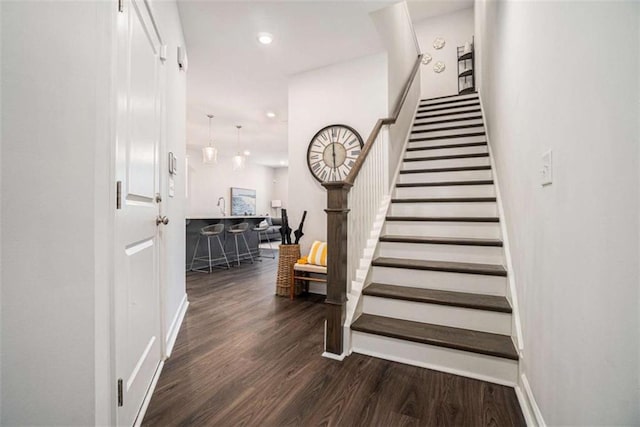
(446, 157)
(446, 146)
(451, 101)
(435, 138)
(443, 97)
(446, 266)
(438, 122)
(443, 336)
(462, 241)
(424, 116)
(445, 200)
(447, 169)
(444, 183)
(480, 125)
(443, 218)
(434, 296)
(425, 109)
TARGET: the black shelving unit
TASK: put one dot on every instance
(466, 70)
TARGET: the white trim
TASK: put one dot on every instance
(172, 334)
(434, 367)
(530, 409)
(511, 280)
(332, 356)
(147, 397)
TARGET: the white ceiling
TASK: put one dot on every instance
(238, 80)
(423, 9)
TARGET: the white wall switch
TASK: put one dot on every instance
(546, 173)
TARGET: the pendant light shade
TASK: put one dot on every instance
(238, 161)
(210, 153)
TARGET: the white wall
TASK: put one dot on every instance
(48, 132)
(394, 27)
(56, 208)
(396, 32)
(208, 182)
(280, 188)
(352, 93)
(564, 76)
(456, 29)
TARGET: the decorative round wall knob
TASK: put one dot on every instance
(426, 58)
(439, 67)
(438, 43)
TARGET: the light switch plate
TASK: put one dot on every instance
(546, 173)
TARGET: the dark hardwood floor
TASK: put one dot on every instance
(247, 357)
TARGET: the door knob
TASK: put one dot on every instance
(162, 220)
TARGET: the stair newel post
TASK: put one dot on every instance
(337, 217)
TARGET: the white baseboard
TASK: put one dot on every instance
(530, 409)
(147, 397)
(175, 326)
(339, 357)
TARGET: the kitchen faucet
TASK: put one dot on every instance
(224, 205)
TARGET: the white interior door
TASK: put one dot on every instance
(136, 294)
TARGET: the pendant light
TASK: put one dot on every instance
(210, 153)
(238, 161)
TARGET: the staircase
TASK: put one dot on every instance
(437, 293)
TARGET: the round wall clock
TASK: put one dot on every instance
(333, 152)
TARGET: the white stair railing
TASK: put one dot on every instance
(369, 188)
(352, 207)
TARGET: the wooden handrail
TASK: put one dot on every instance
(337, 226)
(351, 178)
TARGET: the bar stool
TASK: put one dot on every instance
(209, 232)
(263, 229)
(240, 229)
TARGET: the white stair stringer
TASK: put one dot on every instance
(354, 303)
(487, 368)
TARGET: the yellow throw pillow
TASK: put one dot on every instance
(318, 253)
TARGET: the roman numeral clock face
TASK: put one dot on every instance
(333, 152)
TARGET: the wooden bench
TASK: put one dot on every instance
(303, 272)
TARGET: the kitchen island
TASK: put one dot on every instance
(195, 223)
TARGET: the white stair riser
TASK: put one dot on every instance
(447, 163)
(435, 252)
(455, 151)
(474, 175)
(457, 140)
(488, 368)
(460, 282)
(446, 191)
(463, 106)
(457, 98)
(430, 120)
(487, 230)
(445, 209)
(449, 132)
(426, 125)
(456, 317)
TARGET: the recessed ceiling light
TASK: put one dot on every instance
(265, 38)
(271, 114)
(247, 152)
